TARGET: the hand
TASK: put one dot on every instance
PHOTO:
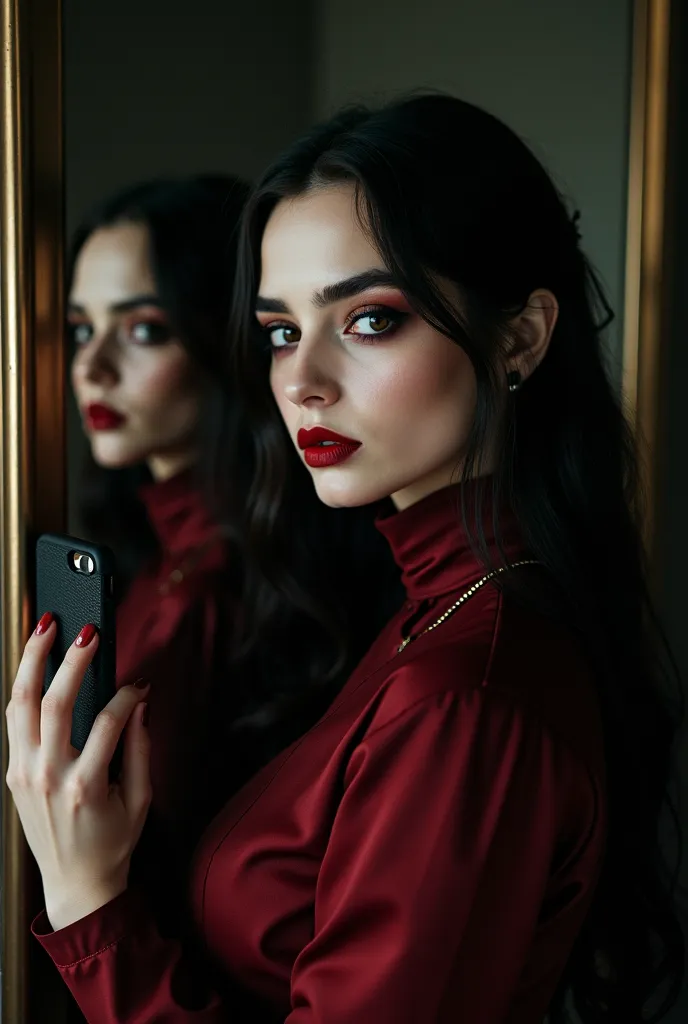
(81, 829)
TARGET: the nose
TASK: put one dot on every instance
(94, 362)
(308, 380)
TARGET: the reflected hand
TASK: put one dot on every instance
(81, 828)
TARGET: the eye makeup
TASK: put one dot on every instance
(144, 327)
(381, 322)
(147, 327)
(376, 320)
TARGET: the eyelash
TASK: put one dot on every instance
(395, 316)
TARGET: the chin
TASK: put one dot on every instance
(115, 456)
(337, 488)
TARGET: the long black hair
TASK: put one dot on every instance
(449, 192)
(192, 225)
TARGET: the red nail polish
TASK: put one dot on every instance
(44, 623)
(85, 636)
(144, 716)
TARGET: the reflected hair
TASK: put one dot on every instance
(448, 193)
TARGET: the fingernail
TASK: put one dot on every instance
(144, 715)
(44, 623)
(141, 684)
(85, 636)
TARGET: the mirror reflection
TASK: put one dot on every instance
(148, 305)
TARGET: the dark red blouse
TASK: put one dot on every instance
(425, 854)
(169, 632)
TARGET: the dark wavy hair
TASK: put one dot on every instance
(193, 230)
(447, 191)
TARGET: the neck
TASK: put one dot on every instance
(446, 476)
(178, 513)
(165, 466)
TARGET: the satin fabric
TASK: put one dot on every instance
(172, 636)
(425, 854)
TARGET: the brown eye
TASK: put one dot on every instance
(375, 323)
(379, 323)
(282, 335)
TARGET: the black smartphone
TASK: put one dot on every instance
(75, 581)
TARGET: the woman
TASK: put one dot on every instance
(470, 831)
(147, 315)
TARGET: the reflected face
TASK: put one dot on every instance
(376, 401)
(135, 384)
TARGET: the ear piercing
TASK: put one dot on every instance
(514, 380)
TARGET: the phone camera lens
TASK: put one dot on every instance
(86, 564)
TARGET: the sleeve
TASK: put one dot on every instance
(120, 970)
(429, 892)
(439, 860)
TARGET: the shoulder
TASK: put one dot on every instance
(502, 656)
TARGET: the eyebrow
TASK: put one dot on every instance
(122, 307)
(336, 292)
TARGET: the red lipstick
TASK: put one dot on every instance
(102, 417)
(322, 447)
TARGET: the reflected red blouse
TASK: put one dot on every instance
(425, 854)
(169, 627)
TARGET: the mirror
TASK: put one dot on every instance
(145, 89)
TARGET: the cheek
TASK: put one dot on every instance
(163, 380)
(78, 369)
(75, 375)
(288, 411)
(425, 383)
(274, 383)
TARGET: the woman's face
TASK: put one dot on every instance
(376, 401)
(135, 384)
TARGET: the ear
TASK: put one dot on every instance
(532, 332)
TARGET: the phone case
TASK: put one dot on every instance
(76, 599)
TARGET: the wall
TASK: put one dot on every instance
(556, 72)
(172, 87)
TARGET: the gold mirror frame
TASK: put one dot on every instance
(32, 418)
(32, 382)
(648, 241)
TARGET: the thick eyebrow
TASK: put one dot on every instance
(345, 289)
(122, 307)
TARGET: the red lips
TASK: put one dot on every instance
(102, 417)
(322, 447)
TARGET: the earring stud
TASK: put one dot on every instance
(514, 380)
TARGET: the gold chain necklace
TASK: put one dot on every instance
(462, 600)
